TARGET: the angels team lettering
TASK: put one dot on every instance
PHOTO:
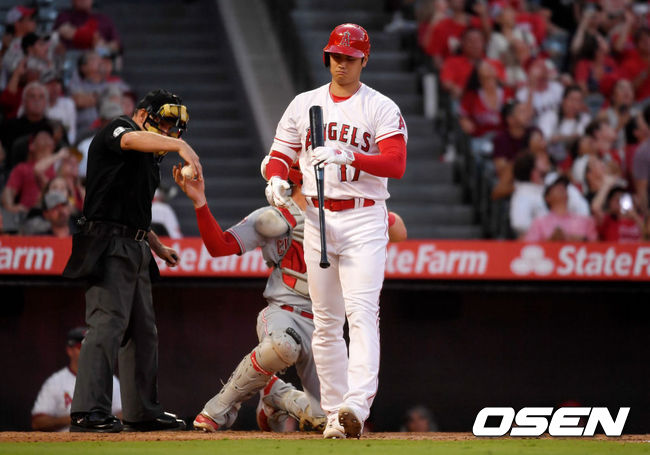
(344, 133)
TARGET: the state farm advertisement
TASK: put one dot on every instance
(413, 259)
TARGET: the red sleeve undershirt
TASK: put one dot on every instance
(279, 167)
(391, 161)
(217, 242)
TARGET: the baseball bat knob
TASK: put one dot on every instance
(324, 265)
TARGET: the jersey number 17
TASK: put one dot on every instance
(351, 176)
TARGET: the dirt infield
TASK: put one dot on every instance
(37, 436)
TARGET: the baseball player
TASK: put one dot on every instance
(284, 327)
(365, 144)
(51, 411)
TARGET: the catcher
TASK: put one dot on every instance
(284, 327)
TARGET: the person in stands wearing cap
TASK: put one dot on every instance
(34, 63)
(51, 411)
(88, 87)
(560, 224)
(82, 28)
(21, 20)
(113, 252)
(55, 215)
(60, 107)
(36, 49)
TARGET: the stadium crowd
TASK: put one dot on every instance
(551, 97)
(59, 84)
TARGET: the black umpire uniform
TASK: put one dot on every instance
(113, 254)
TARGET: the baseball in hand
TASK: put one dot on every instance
(187, 172)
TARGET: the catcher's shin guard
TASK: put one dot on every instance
(276, 352)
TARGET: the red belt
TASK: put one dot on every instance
(304, 314)
(336, 205)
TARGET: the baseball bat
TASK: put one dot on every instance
(317, 140)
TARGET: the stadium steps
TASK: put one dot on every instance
(427, 198)
(181, 46)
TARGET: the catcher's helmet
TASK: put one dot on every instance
(163, 106)
(347, 39)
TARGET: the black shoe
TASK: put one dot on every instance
(94, 422)
(164, 422)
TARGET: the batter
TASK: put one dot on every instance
(365, 144)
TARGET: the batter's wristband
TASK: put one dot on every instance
(391, 219)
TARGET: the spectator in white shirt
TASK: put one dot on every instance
(527, 202)
(51, 411)
(542, 93)
(164, 221)
(565, 125)
(60, 107)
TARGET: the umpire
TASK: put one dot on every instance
(113, 252)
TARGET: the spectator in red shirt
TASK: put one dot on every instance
(430, 14)
(443, 39)
(26, 180)
(481, 105)
(596, 70)
(82, 28)
(616, 214)
(636, 67)
(456, 70)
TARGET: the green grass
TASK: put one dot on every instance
(318, 447)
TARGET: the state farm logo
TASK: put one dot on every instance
(532, 260)
(26, 258)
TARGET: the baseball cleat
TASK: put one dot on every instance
(350, 422)
(333, 429)
(94, 422)
(203, 422)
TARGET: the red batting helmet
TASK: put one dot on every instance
(347, 39)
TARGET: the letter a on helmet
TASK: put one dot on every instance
(347, 39)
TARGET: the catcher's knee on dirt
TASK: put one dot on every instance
(279, 350)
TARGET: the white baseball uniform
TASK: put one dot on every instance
(356, 238)
(55, 396)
